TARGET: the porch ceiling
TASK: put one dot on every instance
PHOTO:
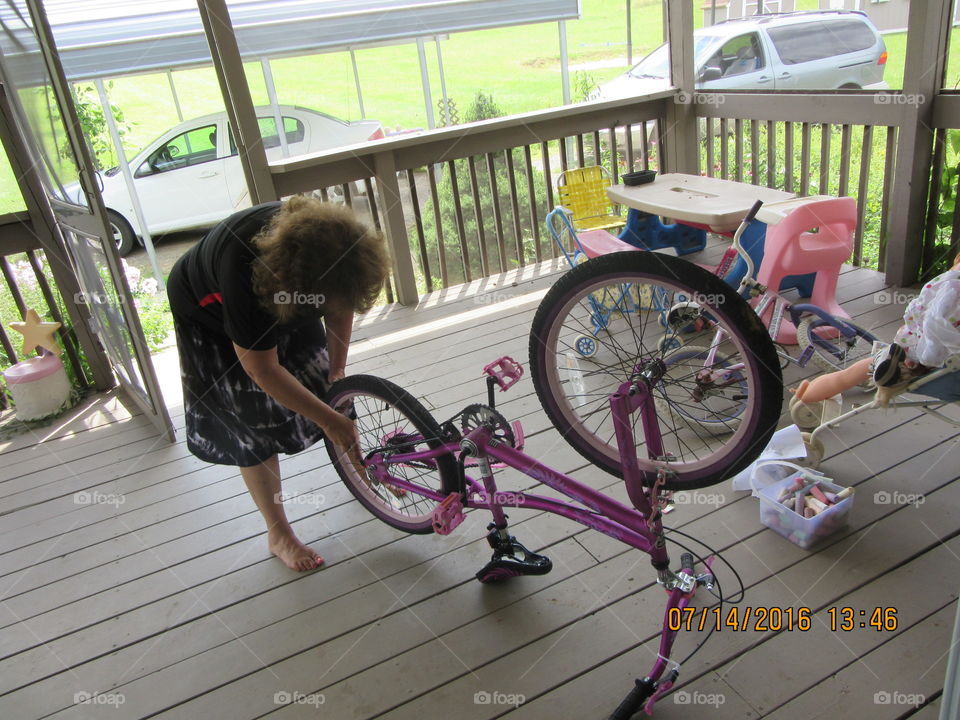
(103, 38)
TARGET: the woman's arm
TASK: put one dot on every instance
(339, 326)
(265, 370)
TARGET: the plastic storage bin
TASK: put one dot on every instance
(805, 532)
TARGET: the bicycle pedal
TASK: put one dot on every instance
(507, 566)
(448, 514)
(510, 559)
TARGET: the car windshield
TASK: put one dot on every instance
(657, 63)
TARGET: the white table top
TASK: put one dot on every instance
(719, 204)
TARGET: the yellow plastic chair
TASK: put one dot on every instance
(584, 193)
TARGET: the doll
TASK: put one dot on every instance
(929, 335)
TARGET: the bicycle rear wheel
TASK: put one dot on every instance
(391, 420)
(739, 393)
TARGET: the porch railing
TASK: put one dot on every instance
(942, 230)
(29, 282)
(469, 201)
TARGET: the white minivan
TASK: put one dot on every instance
(816, 50)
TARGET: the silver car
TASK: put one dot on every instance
(817, 50)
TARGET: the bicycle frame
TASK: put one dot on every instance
(639, 527)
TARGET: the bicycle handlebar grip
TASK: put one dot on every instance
(686, 563)
(753, 211)
(633, 701)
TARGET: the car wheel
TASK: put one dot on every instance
(123, 234)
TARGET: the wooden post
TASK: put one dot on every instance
(395, 226)
(927, 30)
(681, 152)
(236, 97)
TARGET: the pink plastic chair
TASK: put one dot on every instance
(814, 238)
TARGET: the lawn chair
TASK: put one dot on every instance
(584, 193)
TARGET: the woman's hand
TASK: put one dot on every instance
(343, 433)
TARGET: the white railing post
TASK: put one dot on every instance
(236, 97)
(395, 226)
(928, 26)
(680, 133)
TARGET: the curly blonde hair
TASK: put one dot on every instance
(321, 250)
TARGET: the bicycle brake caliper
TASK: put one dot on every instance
(659, 498)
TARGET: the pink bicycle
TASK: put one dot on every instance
(418, 473)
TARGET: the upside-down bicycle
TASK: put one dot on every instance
(417, 473)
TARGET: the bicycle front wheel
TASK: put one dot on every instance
(390, 420)
(716, 405)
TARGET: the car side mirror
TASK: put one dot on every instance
(710, 73)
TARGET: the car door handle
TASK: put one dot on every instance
(785, 75)
(208, 174)
(763, 79)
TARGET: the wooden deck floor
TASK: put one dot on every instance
(131, 569)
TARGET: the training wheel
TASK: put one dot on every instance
(815, 450)
(586, 346)
(806, 416)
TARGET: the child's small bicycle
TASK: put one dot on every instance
(417, 471)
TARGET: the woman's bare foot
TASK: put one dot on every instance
(294, 554)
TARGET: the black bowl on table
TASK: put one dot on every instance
(638, 178)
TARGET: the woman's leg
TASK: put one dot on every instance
(263, 482)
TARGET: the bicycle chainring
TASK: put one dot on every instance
(473, 416)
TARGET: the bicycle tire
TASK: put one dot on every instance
(382, 410)
(695, 461)
(828, 355)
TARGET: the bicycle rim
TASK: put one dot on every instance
(390, 420)
(743, 406)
